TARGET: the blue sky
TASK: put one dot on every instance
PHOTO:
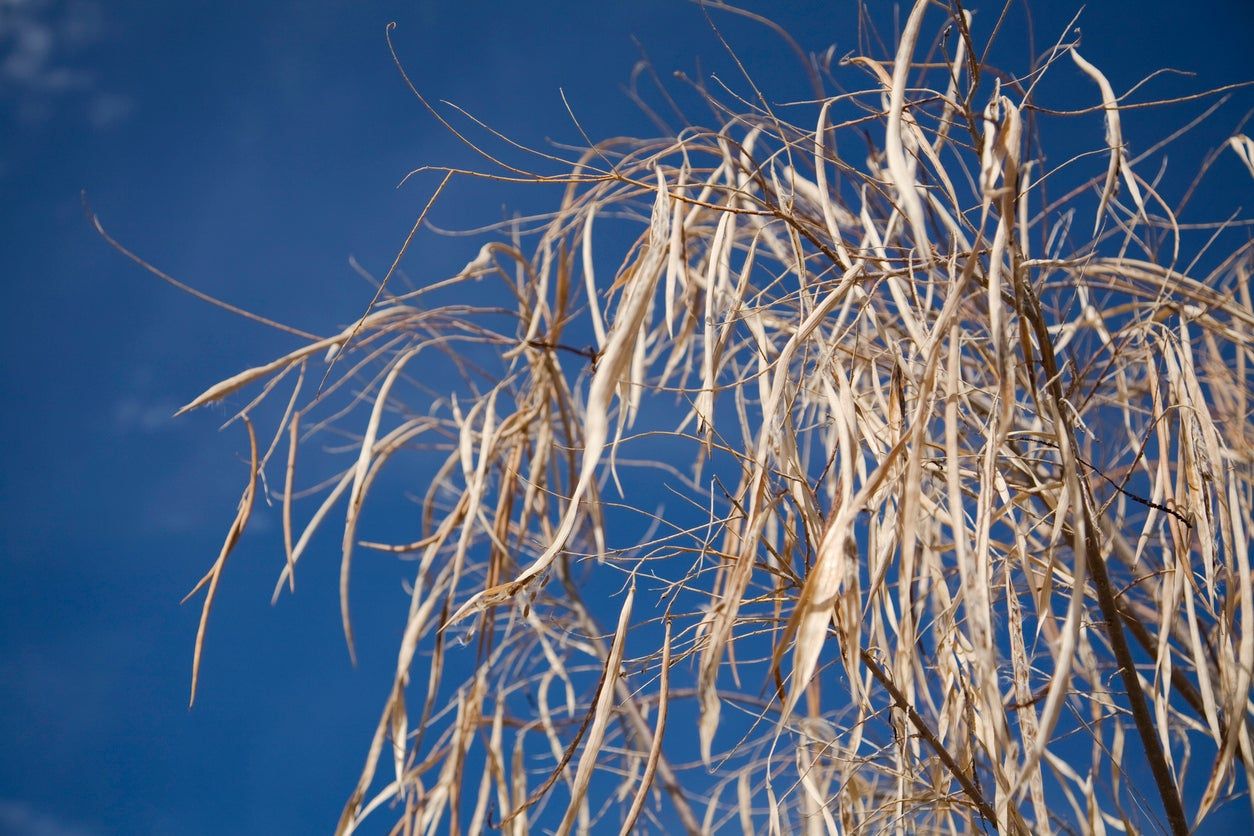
(250, 150)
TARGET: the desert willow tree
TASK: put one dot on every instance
(888, 494)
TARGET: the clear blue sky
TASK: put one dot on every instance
(250, 149)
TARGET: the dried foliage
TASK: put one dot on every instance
(886, 496)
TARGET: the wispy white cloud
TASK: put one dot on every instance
(134, 414)
(109, 109)
(41, 52)
(18, 817)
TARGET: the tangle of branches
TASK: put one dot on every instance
(814, 471)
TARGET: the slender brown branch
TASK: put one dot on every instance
(964, 780)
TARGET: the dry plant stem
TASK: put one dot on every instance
(396, 262)
(628, 703)
(655, 748)
(214, 575)
(1168, 792)
(185, 288)
(1179, 681)
(921, 726)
